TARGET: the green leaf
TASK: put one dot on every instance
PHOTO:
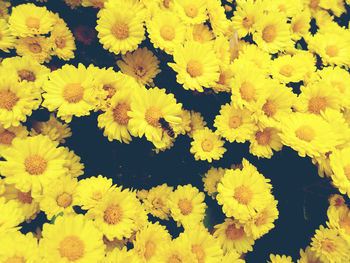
(54, 217)
(299, 46)
(209, 219)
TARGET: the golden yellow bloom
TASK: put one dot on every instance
(308, 256)
(193, 12)
(339, 219)
(176, 251)
(38, 47)
(211, 179)
(62, 42)
(7, 136)
(280, 259)
(200, 33)
(264, 141)
(7, 39)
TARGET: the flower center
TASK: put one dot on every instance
(263, 137)
(328, 245)
(185, 206)
(120, 113)
(347, 171)
(166, 3)
(60, 42)
(158, 204)
(199, 252)
(317, 104)
(152, 116)
(287, 70)
(113, 214)
(191, 10)
(194, 68)
(222, 79)
(26, 75)
(305, 133)
(167, 32)
(298, 25)
(73, 92)
(234, 233)
(120, 30)
(332, 50)
(207, 145)
(314, 4)
(269, 33)
(72, 248)
(243, 195)
(269, 108)
(248, 21)
(110, 89)
(64, 200)
(174, 259)
(140, 70)
(8, 100)
(261, 220)
(34, 48)
(234, 122)
(35, 164)
(96, 195)
(15, 259)
(150, 249)
(6, 137)
(25, 198)
(247, 91)
(33, 22)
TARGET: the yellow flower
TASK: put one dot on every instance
(7, 39)
(71, 91)
(176, 251)
(7, 136)
(340, 165)
(122, 255)
(300, 24)
(62, 42)
(339, 219)
(193, 12)
(71, 238)
(197, 123)
(196, 65)
(280, 259)
(199, 33)
(73, 164)
(217, 17)
(308, 256)
(206, 145)
(225, 79)
(32, 163)
(141, 64)
(29, 20)
(264, 141)
(38, 47)
(4, 12)
(11, 216)
(259, 57)
(211, 179)
(187, 205)
(335, 6)
(232, 257)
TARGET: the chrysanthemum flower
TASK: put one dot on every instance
(232, 237)
(308, 134)
(217, 17)
(194, 12)
(141, 64)
(33, 162)
(211, 179)
(339, 219)
(116, 214)
(120, 28)
(7, 136)
(259, 57)
(200, 33)
(11, 215)
(71, 91)
(196, 65)
(29, 20)
(300, 24)
(340, 164)
(197, 123)
(203, 245)
(176, 251)
(166, 31)
(329, 246)
(264, 141)
(71, 238)
(17, 100)
(149, 240)
(225, 80)
(38, 47)
(7, 39)
(280, 259)
(62, 42)
(19, 248)
(272, 32)
(187, 205)
(206, 145)
(156, 201)
(232, 257)
(308, 256)
(73, 164)
(234, 124)
(242, 193)
(147, 107)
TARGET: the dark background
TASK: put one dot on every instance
(302, 195)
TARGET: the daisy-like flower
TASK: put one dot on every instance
(176, 251)
(7, 39)
(339, 219)
(200, 33)
(73, 164)
(340, 164)
(225, 79)
(234, 124)
(194, 12)
(156, 200)
(149, 240)
(166, 31)
(32, 163)
(308, 256)
(71, 238)
(264, 141)
(329, 246)
(147, 107)
(280, 259)
(141, 64)
(120, 28)
(17, 100)
(19, 248)
(203, 245)
(196, 65)
(243, 192)
(217, 17)
(115, 120)
(53, 128)
(232, 237)
(206, 145)
(272, 32)
(308, 134)
(29, 20)
(211, 180)
(116, 214)
(7, 135)
(300, 24)
(232, 257)
(62, 42)
(70, 91)
(38, 47)
(11, 215)
(187, 205)
(259, 57)
(59, 196)
(196, 123)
